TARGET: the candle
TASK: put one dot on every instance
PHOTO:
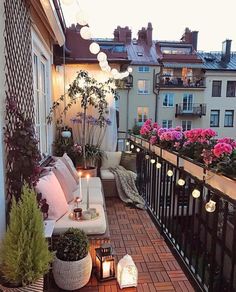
(80, 185)
(87, 177)
(106, 269)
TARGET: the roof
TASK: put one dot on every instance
(212, 61)
(183, 65)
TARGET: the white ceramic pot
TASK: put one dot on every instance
(66, 134)
(72, 275)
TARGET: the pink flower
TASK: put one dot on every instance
(228, 140)
(153, 140)
(221, 149)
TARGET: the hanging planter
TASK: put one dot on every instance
(170, 157)
(192, 167)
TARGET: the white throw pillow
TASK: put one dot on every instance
(51, 190)
(65, 178)
(69, 163)
(111, 159)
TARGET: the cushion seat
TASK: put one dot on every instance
(95, 195)
(106, 174)
(94, 182)
(90, 227)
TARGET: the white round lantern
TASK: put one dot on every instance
(152, 161)
(85, 33)
(138, 149)
(127, 272)
(81, 18)
(210, 206)
(181, 182)
(132, 146)
(94, 48)
(196, 193)
(101, 57)
(158, 165)
(130, 70)
(170, 173)
(117, 76)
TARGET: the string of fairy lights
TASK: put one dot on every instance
(94, 48)
(210, 206)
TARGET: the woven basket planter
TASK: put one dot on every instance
(37, 286)
(72, 275)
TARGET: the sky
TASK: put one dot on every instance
(215, 20)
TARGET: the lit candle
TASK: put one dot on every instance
(87, 177)
(80, 185)
(106, 266)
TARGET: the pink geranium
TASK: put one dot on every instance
(221, 149)
(228, 140)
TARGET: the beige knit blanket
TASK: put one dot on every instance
(126, 187)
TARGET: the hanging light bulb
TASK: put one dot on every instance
(181, 182)
(210, 206)
(108, 68)
(94, 48)
(101, 57)
(158, 165)
(170, 173)
(196, 193)
(67, 2)
(127, 143)
(147, 156)
(81, 18)
(129, 69)
(103, 64)
(138, 149)
(132, 146)
(85, 33)
(152, 161)
(114, 71)
(117, 76)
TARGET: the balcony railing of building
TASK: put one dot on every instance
(195, 209)
(178, 81)
(125, 83)
(193, 109)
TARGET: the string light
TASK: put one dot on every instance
(85, 33)
(130, 70)
(181, 182)
(94, 48)
(152, 161)
(147, 156)
(158, 165)
(170, 173)
(196, 193)
(138, 149)
(101, 57)
(127, 143)
(210, 206)
(132, 146)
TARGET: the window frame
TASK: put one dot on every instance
(229, 126)
(186, 128)
(218, 125)
(219, 88)
(170, 94)
(144, 71)
(144, 92)
(167, 124)
(143, 120)
(227, 85)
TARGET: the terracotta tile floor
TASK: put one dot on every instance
(133, 232)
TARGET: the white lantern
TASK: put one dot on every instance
(132, 146)
(138, 149)
(152, 161)
(101, 57)
(210, 206)
(181, 182)
(170, 173)
(196, 193)
(94, 48)
(126, 74)
(81, 18)
(127, 272)
(67, 2)
(158, 165)
(85, 33)
(117, 76)
(147, 156)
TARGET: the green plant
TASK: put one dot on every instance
(24, 252)
(73, 245)
(93, 154)
(136, 129)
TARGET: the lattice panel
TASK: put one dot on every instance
(18, 66)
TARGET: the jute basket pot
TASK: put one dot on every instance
(37, 286)
(72, 275)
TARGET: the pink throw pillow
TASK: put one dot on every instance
(51, 190)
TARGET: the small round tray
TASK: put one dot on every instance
(71, 216)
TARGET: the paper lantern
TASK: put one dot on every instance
(81, 18)
(105, 263)
(85, 33)
(127, 272)
(101, 57)
(94, 48)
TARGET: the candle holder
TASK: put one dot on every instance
(77, 213)
(77, 201)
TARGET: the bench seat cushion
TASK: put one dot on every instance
(94, 182)
(95, 195)
(90, 227)
(106, 174)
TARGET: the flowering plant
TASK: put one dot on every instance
(149, 130)
(170, 138)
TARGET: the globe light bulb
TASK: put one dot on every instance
(181, 182)
(138, 149)
(129, 69)
(158, 165)
(132, 146)
(210, 206)
(147, 156)
(94, 48)
(170, 173)
(196, 193)
(117, 76)
(125, 74)
(127, 143)
(108, 68)
(152, 161)
(85, 33)
(114, 71)
(103, 64)
(101, 57)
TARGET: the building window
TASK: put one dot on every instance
(142, 114)
(186, 125)
(143, 86)
(41, 78)
(144, 69)
(231, 88)
(168, 100)
(215, 118)
(188, 102)
(166, 123)
(216, 88)
(229, 118)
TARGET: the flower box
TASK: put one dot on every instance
(132, 138)
(145, 144)
(157, 150)
(170, 157)
(138, 140)
(192, 168)
(221, 183)
(152, 148)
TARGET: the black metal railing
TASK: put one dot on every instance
(194, 109)
(180, 81)
(204, 241)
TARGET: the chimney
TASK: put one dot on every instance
(190, 37)
(149, 34)
(145, 35)
(226, 51)
(123, 34)
(194, 39)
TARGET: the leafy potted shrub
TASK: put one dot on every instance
(72, 265)
(24, 252)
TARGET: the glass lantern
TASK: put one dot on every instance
(127, 272)
(105, 263)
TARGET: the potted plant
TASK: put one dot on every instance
(89, 93)
(72, 265)
(25, 257)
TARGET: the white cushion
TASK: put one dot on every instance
(106, 174)
(51, 190)
(65, 178)
(95, 195)
(69, 163)
(111, 159)
(94, 182)
(94, 226)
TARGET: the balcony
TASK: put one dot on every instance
(194, 110)
(124, 83)
(178, 81)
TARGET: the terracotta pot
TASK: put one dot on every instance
(92, 171)
(37, 286)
